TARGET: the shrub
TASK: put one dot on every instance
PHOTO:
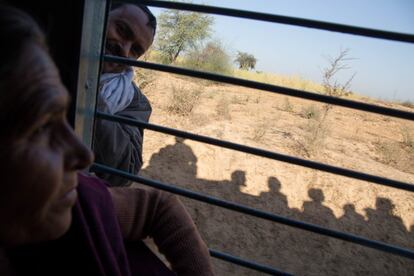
(212, 58)
(311, 112)
(183, 101)
(316, 128)
(315, 136)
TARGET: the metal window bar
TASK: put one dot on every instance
(282, 90)
(238, 261)
(91, 49)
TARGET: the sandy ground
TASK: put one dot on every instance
(356, 140)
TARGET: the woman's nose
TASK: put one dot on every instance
(78, 156)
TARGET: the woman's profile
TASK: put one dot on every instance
(55, 220)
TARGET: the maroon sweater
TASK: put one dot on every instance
(94, 244)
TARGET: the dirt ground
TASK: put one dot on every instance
(342, 137)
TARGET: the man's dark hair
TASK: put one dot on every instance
(152, 21)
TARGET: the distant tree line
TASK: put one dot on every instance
(185, 37)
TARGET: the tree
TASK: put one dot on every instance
(246, 61)
(180, 31)
(212, 58)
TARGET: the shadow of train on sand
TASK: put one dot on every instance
(289, 249)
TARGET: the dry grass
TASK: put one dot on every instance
(311, 112)
(240, 100)
(408, 104)
(143, 77)
(315, 136)
(316, 129)
(389, 152)
(407, 137)
(222, 108)
(398, 154)
(199, 120)
(259, 131)
(287, 106)
(295, 82)
(183, 100)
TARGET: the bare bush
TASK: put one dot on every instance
(331, 85)
(316, 128)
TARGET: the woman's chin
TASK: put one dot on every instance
(49, 230)
(60, 226)
(53, 228)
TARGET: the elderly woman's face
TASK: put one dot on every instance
(40, 156)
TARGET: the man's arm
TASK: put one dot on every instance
(119, 145)
(162, 216)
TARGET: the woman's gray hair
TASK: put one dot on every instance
(18, 32)
(17, 29)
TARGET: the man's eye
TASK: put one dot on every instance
(113, 48)
(136, 52)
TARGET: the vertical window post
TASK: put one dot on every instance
(94, 21)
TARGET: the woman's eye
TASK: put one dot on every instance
(120, 29)
(44, 128)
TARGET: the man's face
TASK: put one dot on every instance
(128, 35)
(40, 154)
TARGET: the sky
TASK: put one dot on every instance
(383, 69)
